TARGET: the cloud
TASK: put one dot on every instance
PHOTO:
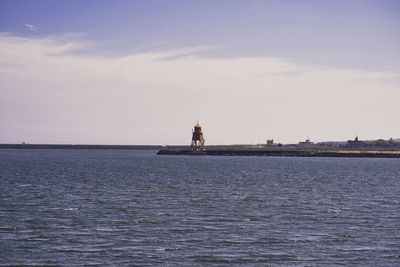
(31, 27)
(52, 93)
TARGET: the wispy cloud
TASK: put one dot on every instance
(31, 27)
(51, 93)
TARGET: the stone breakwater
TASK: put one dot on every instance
(286, 153)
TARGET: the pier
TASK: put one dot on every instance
(285, 153)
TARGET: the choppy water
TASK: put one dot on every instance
(66, 207)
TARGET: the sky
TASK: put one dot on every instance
(144, 72)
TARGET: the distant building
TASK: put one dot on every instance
(307, 142)
(270, 142)
(393, 142)
(383, 143)
(355, 143)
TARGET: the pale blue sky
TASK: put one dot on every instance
(356, 33)
(339, 37)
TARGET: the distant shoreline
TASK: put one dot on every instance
(72, 146)
(234, 150)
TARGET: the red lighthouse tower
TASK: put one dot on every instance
(197, 139)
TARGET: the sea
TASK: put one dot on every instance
(134, 208)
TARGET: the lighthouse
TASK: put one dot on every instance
(197, 138)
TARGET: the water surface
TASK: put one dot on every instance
(116, 207)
